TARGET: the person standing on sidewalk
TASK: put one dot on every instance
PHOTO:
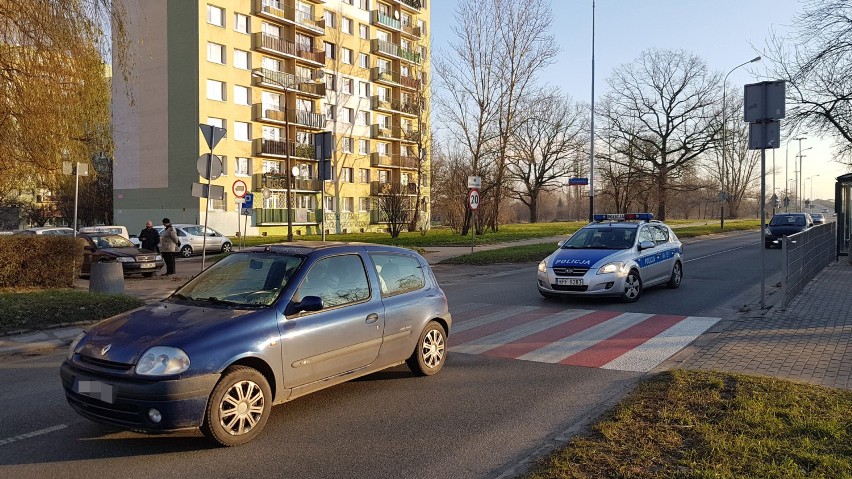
(169, 245)
(149, 237)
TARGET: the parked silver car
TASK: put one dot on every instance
(192, 239)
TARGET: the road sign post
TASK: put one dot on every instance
(473, 204)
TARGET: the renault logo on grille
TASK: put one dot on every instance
(105, 349)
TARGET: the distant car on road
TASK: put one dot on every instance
(786, 224)
(47, 231)
(109, 247)
(191, 239)
(818, 218)
(616, 255)
(262, 326)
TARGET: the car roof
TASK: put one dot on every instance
(308, 247)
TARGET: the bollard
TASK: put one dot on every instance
(107, 277)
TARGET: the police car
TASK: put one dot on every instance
(615, 255)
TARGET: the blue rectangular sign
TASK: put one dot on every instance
(578, 181)
(249, 203)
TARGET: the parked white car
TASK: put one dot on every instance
(192, 238)
(112, 229)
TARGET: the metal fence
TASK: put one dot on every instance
(805, 254)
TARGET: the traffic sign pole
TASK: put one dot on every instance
(473, 204)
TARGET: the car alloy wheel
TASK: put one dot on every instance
(238, 408)
(226, 248)
(676, 277)
(186, 251)
(632, 287)
(431, 351)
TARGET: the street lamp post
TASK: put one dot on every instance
(800, 182)
(260, 74)
(811, 197)
(723, 196)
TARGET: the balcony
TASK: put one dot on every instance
(379, 18)
(381, 75)
(378, 188)
(278, 216)
(393, 161)
(274, 114)
(392, 49)
(277, 149)
(411, 31)
(276, 181)
(410, 135)
(409, 82)
(274, 11)
(313, 25)
(277, 45)
(414, 5)
(385, 132)
(287, 81)
(392, 106)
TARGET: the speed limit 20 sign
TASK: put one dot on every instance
(473, 198)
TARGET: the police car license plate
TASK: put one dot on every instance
(569, 282)
(148, 265)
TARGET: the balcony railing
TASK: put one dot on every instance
(383, 75)
(279, 45)
(378, 188)
(415, 4)
(381, 131)
(312, 54)
(279, 216)
(393, 161)
(288, 81)
(297, 117)
(383, 19)
(412, 30)
(275, 10)
(409, 82)
(263, 146)
(392, 49)
(306, 20)
(275, 181)
(410, 135)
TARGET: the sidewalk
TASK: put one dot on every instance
(809, 341)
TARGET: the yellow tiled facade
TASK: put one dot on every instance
(276, 73)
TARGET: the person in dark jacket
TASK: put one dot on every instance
(149, 237)
(169, 245)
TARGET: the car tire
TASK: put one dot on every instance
(238, 408)
(547, 295)
(676, 277)
(632, 287)
(148, 275)
(431, 352)
(186, 251)
(226, 248)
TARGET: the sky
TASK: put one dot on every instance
(724, 33)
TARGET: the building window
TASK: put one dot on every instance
(329, 203)
(217, 122)
(218, 205)
(363, 60)
(364, 89)
(242, 59)
(346, 56)
(346, 145)
(242, 131)
(215, 16)
(242, 95)
(383, 176)
(363, 31)
(363, 205)
(242, 23)
(382, 148)
(216, 90)
(242, 167)
(364, 175)
(348, 204)
(346, 175)
(347, 86)
(329, 112)
(329, 82)
(330, 19)
(346, 25)
(364, 4)
(330, 50)
(215, 53)
(363, 147)
(363, 118)
(346, 115)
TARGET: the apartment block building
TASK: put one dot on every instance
(275, 74)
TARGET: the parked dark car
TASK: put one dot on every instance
(109, 247)
(786, 224)
(260, 327)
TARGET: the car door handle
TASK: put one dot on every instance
(372, 318)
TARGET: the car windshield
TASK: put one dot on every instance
(112, 241)
(787, 220)
(601, 237)
(247, 280)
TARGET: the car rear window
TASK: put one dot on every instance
(398, 273)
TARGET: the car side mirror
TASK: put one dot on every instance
(308, 303)
(646, 245)
(561, 243)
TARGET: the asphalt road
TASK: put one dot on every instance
(480, 417)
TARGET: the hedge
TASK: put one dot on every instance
(36, 261)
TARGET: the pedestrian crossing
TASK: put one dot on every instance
(578, 337)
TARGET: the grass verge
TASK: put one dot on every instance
(700, 424)
(43, 309)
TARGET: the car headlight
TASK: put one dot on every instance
(158, 257)
(611, 267)
(162, 361)
(542, 267)
(125, 259)
(74, 344)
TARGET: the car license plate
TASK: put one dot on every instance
(569, 282)
(148, 265)
(95, 389)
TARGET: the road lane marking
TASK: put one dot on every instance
(29, 435)
(720, 252)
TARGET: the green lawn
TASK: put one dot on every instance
(42, 309)
(698, 424)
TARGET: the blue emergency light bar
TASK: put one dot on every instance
(624, 217)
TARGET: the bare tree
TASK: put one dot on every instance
(395, 206)
(816, 62)
(670, 96)
(549, 134)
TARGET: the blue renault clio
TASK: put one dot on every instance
(260, 327)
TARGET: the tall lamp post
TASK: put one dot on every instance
(787, 168)
(262, 75)
(723, 195)
(800, 182)
(811, 197)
